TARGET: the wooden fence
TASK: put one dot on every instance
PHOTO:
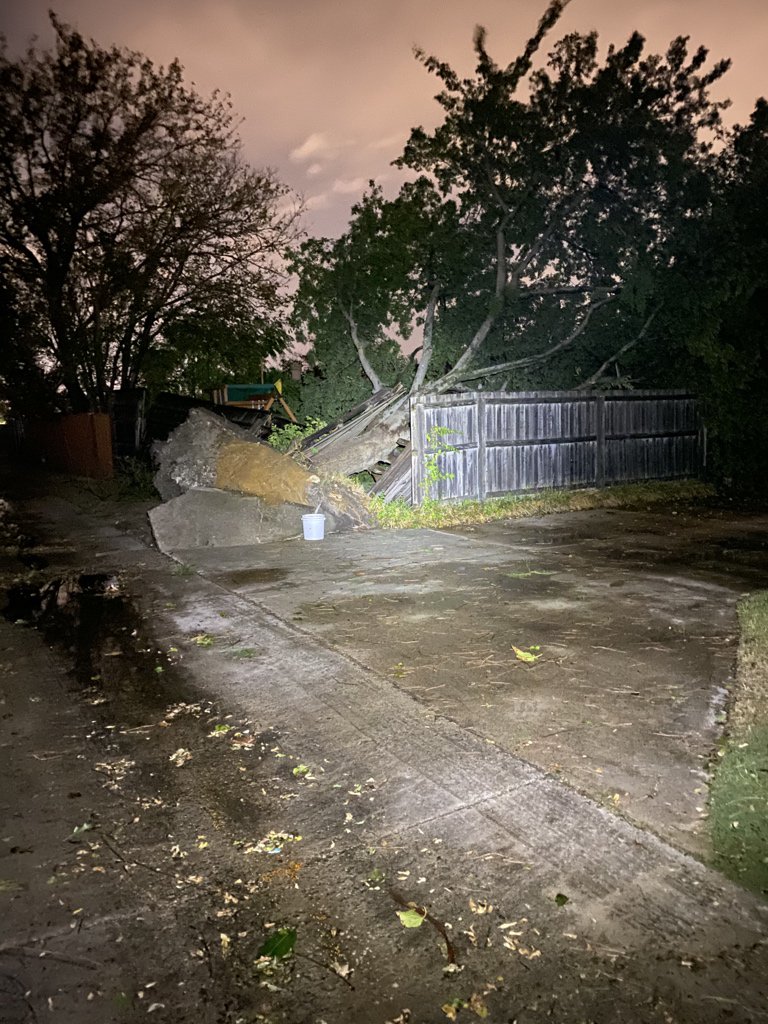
(485, 444)
(78, 443)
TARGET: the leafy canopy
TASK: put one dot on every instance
(128, 221)
(545, 214)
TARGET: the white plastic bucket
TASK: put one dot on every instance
(314, 526)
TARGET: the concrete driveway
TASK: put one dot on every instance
(386, 732)
(628, 617)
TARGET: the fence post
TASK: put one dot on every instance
(600, 442)
(417, 450)
(482, 467)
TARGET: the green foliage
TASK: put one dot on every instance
(715, 321)
(284, 438)
(200, 352)
(136, 477)
(130, 226)
(398, 514)
(351, 299)
(585, 222)
(437, 447)
(541, 224)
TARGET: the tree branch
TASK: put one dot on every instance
(426, 347)
(370, 373)
(515, 364)
(590, 381)
(497, 304)
(576, 289)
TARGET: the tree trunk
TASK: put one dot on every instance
(356, 450)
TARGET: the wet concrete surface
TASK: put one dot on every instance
(631, 616)
(407, 799)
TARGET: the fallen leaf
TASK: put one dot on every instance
(204, 640)
(451, 1010)
(280, 944)
(525, 656)
(411, 918)
(477, 1006)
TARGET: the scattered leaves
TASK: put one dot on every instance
(451, 1010)
(480, 906)
(180, 757)
(273, 842)
(343, 970)
(452, 969)
(204, 640)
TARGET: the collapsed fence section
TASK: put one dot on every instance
(486, 444)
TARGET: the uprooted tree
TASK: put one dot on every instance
(533, 244)
(131, 229)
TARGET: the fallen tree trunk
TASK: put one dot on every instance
(363, 438)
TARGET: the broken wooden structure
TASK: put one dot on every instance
(253, 396)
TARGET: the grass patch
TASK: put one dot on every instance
(739, 792)
(399, 515)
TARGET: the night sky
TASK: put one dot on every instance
(330, 88)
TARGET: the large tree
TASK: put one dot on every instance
(559, 186)
(127, 216)
(714, 310)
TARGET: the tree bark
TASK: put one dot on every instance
(369, 371)
(426, 346)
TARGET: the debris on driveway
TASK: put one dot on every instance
(222, 488)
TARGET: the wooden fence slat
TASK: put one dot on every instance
(489, 443)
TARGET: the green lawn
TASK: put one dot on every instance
(739, 791)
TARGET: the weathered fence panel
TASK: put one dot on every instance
(78, 443)
(485, 444)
